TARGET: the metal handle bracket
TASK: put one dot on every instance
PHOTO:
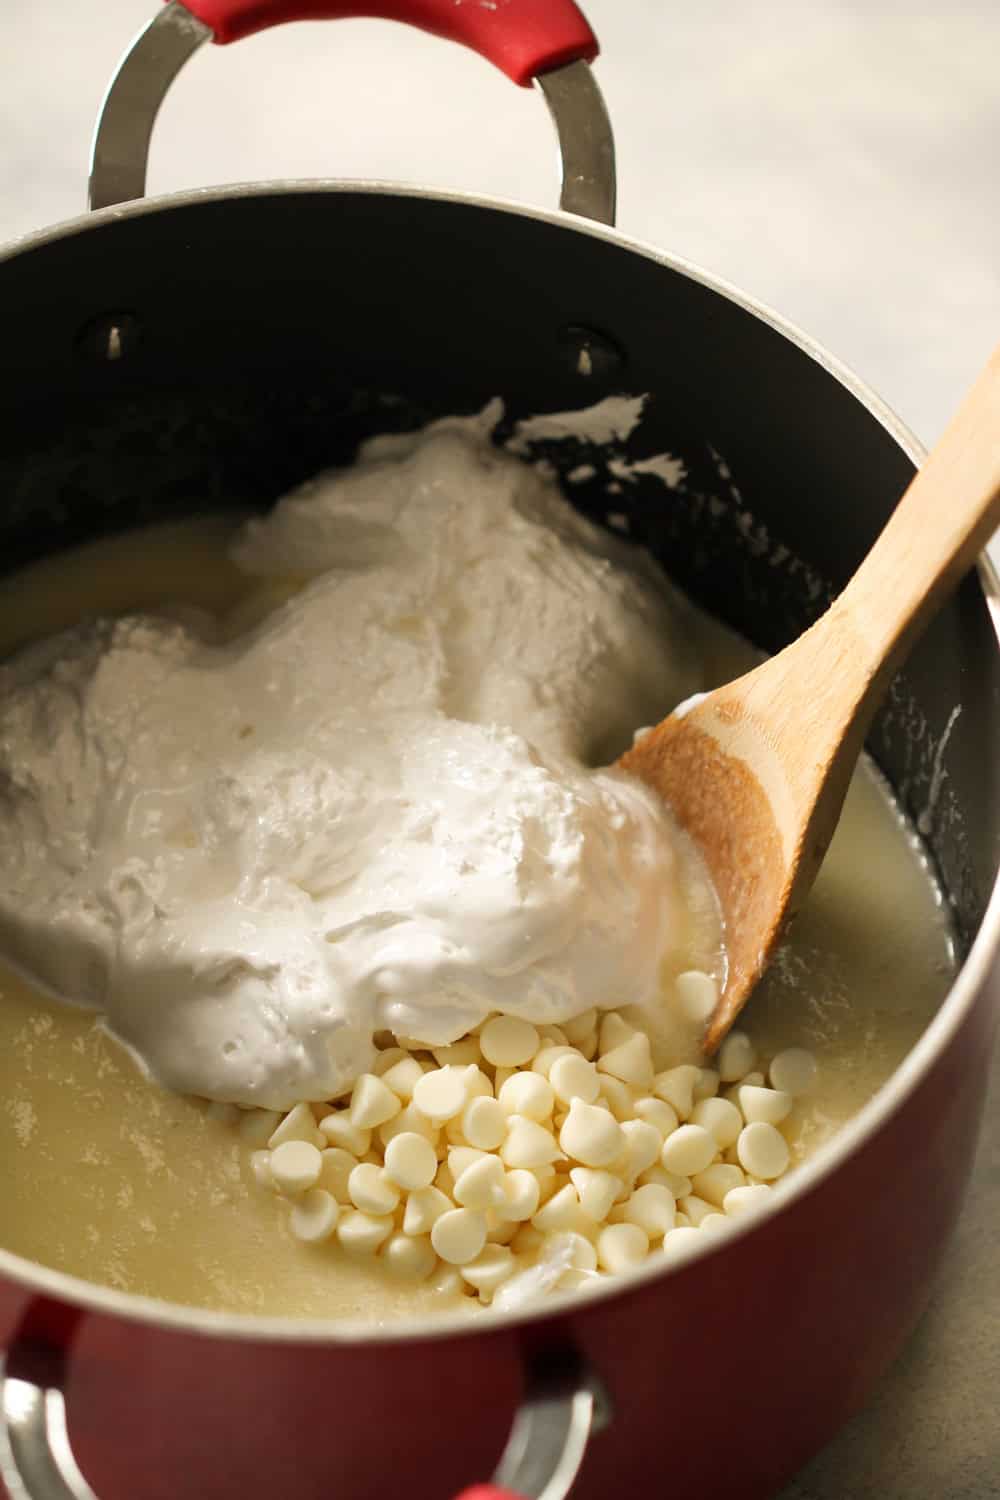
(125, 124)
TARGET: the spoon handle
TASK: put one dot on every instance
(799, 720)
(945, 519)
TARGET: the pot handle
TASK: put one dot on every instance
(563, 1403)
(547, 41)
(525, 38)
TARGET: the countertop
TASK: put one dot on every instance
(836, 160)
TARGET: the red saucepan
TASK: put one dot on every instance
(225, 344)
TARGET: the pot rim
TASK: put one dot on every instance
(848, 1140)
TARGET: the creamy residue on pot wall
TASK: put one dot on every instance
(365, 802)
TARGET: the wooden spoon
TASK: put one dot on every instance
(757, 771)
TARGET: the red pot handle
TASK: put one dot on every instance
(522, 37)
(562, 1405)
(487, 1492)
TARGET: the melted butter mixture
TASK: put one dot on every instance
(106, 1176)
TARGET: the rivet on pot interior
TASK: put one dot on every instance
(588, 353)
(110, 338)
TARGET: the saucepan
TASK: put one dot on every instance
(217, 346)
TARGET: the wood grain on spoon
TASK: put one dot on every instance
(758, 770)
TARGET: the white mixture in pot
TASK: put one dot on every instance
(330, 813)
(367, 807)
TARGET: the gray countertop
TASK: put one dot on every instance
(835, 159)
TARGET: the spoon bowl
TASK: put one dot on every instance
(757, 771)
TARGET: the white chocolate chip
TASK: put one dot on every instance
(591, 1135)
(314, 1217)
(672, 1181)
(335, 1172)
(643, 1144)
(716, 1181)
(508, 1042)
(676, 1087)
(447, 1282)
(260, 1166)
(295, 1166)
(481, 1185)
(720, 1118)
(298, 1125)
(745, 1200)
(336, 1130)
(522, 1194)
(614, 1031)
(408, 1120)
(441, 1094)
(477, 1085)
(500, 1230)
(372, 1103)
(490, 1269)
(547, 1179)
(690, 1149)
(583, 1255)
(484, 1123)
(527, 1241)
(528, 1144)
(500, 1077)
(527, 1094)
(580, 1027)
(763, 1150)
(631, 1061)
(653, 1209)
(459, 1235)
(542, 1061)
(386, 1058)
(680, 1242)
(713, 1222)
(737, 1056)
(658, 1113)
(361, 1233)
(423, 1209)
(588, 1046)
(619, 1097)
(444, 1179)
(697, 995)
(458, 1054)
(561, 1212)
(769, 1105)
(573, 1077)
(706, 1085)
(410, 1161)
(573, 1280)
(403, 1077)
(620, 1246)
(372, 1190)
(409, 1256)
(461, 1158)
(696, 1209)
